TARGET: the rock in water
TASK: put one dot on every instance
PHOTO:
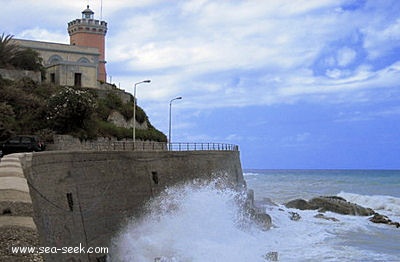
(326, 218)
(299, 204)
(294, 216)
(378, 218)
(263, 220)
(257, 213)
(340, 206)
(330, 203)
(271, 256)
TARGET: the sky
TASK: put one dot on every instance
(297, 84)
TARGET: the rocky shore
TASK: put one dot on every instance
(337, 205)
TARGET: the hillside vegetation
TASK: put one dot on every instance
(43, 109)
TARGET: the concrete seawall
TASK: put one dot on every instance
(84, 197)
(17, 228)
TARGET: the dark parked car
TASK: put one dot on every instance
(19, 144)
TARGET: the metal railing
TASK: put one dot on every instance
(202, 146)
(160, 146)
(110, 145)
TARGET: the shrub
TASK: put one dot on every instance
(140, 115)
(113, 101)
(150, 134)
(108, 129)
(28, 108)
(102, 110)
(69, 109)
(7, 121)
(127, 110)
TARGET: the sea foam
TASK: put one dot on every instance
(197, 223)
(376, 202)
(192, 223)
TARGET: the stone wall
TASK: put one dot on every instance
(19, 74)
(67, 142)
(84, 197)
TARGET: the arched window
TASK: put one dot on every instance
(83, 60)
(55, 59)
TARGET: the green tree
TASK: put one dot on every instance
(7, 50)
(13, 56)
(27, 59)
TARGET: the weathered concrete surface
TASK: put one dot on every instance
(19, 74)
(17, 221)
(17, 228)
(10, 166)
(85, 197)
(14, 191)
(13, 183)
(15, 196)
(13, 171)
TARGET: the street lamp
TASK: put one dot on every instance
(169, 129)
(134, 110)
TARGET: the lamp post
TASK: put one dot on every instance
(134, 110)
(169, 129)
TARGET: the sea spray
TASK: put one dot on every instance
(388, 204)
(195, 222)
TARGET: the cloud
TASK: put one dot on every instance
(357, 116)
(345, 56)
(202, 38)
(235, 53)
(42, 34)
(382, 32)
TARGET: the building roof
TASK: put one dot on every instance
(87, 10)
(49, 46)
(87, 13)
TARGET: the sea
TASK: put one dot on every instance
(204, 223)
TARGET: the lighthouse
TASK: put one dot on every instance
(89, 32)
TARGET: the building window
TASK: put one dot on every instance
(78, 79)
(83, 60)
(55, 59)
(53, 78)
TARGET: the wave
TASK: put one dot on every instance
(251, 174)
(196, 223)
(190, 223)
(376, 202)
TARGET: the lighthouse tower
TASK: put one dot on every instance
(91, 33)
